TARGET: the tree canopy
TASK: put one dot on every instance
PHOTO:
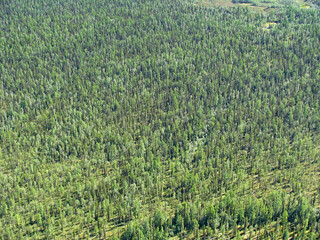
(134, 119)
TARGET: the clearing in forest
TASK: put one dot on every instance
(258, 6)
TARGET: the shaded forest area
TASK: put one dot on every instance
(135, 119)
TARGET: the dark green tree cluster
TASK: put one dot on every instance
(138, 119)
(230, 217)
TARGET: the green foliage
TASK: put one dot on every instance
(140, 119)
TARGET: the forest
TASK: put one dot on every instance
(162, 119)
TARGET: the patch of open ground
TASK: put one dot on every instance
(260, 6)
(268, 25)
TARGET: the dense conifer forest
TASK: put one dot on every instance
(162, 119)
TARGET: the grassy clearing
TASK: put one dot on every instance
(267, 26)
(230, 3)
(261, 6)
(304, 5)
